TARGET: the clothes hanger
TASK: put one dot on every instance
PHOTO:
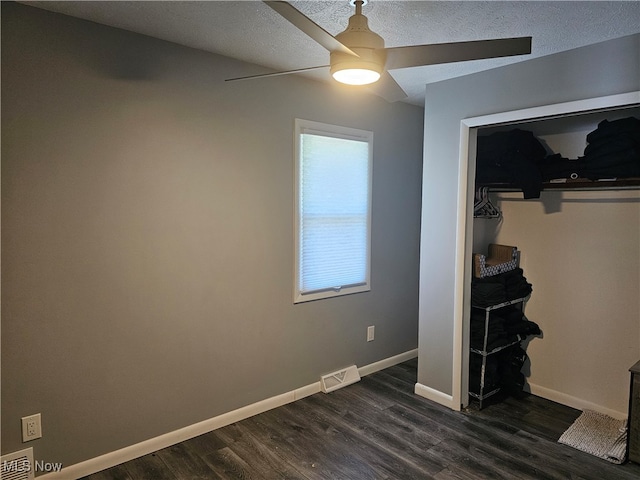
(483, 208)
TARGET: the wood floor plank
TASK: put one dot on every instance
(149, 466)
(362, 449)
(333, 447)
(185, 464)
(119, 472)
(386, 432)
(528, 413)
(469, 457)
(361, 394)
(276, 434)
(553, 460)
(451, 472)
(266, 462)
(493, 446)
(202, 445)
(229, 466)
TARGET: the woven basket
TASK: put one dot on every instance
(501, 258)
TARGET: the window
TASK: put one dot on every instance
(333, 210)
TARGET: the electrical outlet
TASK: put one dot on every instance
(31, 427)
(371, 333)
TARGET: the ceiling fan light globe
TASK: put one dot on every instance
(364, 69)
(356, 76)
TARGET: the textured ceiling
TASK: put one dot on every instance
(251, 31)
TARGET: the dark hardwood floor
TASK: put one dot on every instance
(379, 429)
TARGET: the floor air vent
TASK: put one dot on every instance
(339, 379)
(17, 465)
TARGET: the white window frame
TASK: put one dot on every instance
(317, 128)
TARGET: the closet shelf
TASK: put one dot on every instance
(499, 349)
(578, 184)
(503, 304)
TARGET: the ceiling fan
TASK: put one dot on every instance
(358, 55)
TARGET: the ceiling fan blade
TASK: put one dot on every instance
(419, 55)
(387, 88)
(309, 27)
(275, 74)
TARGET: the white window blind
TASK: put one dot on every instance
(333, 210)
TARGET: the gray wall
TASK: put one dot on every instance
(604, 69)
(147, 236)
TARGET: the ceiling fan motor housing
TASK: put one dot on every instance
(360, 39)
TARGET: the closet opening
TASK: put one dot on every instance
(579, 247)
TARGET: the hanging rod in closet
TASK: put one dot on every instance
(577, 185)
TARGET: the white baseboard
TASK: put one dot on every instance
(125, 454)
(387, 362)
(574, 402)
(555, 396)
(436, 396)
